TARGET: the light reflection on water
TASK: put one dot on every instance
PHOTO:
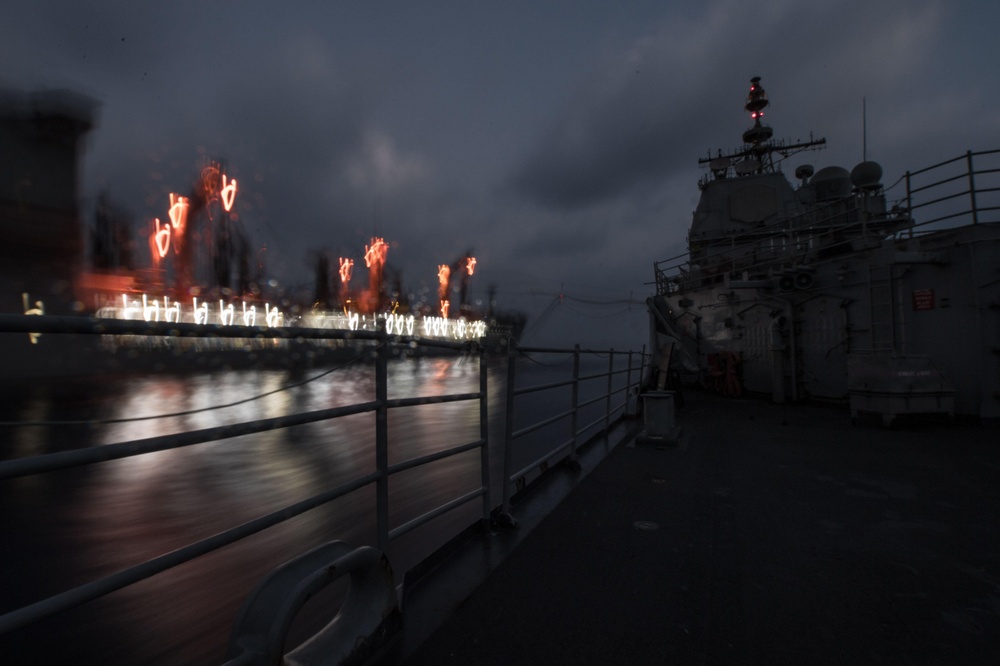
(69, 527)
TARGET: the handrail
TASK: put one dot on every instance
(380, 344)
(134, 574)
(50, 462)
(61, 325)
(680, 265)
(512, 478)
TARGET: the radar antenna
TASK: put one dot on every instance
(755, 156)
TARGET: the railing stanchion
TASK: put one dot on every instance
(972, 188)
(508, 439)
(484, 432)
(909, 203)
(607, 406)
(642, 366)
(382, 444)
(576, 402)
(628, 380)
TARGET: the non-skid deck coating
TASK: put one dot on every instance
(770, 535)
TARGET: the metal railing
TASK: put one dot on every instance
(379, 345)
(785, 242)
(567, 449)
(966, 188)
(977, 185)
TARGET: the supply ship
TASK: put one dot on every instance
(831, 289)
(203, 275)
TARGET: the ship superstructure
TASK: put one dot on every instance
(829, 290)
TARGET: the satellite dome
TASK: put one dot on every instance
(866, 176)
(831, 183)
(748, 166)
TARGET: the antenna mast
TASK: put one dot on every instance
(864, 132)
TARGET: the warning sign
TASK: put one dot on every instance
(923, 299)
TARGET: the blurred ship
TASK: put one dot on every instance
(829, 291)
(204, 269)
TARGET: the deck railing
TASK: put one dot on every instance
(964, 189)
(379, 345)
(971, 178)
(575, 435)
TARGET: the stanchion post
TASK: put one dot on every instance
(576, 402)
(484, 432)
(508, 442)
(382, 444)
(607, 404)
(628, 379)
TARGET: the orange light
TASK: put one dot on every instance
(376, 253)
(346, 266)
(178, 211)
(470, 265)
(444, 309)
(228, 193)
(209, 182)
(162, 237)
(444, 272)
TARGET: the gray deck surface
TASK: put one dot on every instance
(769, 535)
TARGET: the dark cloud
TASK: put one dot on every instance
(650, 110)
(557, 140)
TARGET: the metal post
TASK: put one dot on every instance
(909, 203)
(508, 442)
(642, 365)
(972, 188)
(484, 433)
(576, 401)
(628, 379)
(607, 404)
(382, 444)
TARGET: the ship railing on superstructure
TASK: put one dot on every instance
(615, 383)
(843, 226)
(786, 244)
(962, 190)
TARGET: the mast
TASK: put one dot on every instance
(755, 155)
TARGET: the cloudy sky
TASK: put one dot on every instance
(558, 140)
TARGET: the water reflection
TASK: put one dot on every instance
(67, 528)
(73, 526)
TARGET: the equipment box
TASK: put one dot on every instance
(894, 385)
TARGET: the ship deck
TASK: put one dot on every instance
(767, 534)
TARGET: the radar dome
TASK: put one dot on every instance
(748, 166)
(804, 172)
(831, 183)
(866, 176)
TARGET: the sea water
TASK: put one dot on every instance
(66, 528)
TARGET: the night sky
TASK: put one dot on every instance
(558, 140)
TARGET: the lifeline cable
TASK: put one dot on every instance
(201, 409)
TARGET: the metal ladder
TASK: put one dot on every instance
(880, 302)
